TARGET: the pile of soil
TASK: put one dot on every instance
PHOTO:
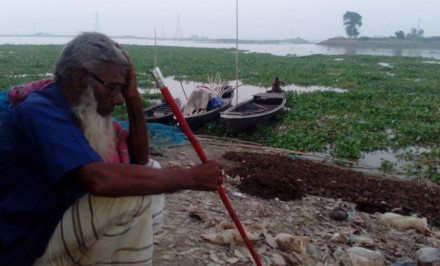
(277, 176)
(293, 196)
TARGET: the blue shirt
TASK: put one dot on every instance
(40, 143)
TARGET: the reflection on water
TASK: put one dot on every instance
(350, 50)
(398, 52)
(431, 53)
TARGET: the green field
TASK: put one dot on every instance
(389, 103)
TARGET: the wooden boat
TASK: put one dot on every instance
(198, 118)
(246, 115)
(160, 113)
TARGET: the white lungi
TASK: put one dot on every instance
(106, 231)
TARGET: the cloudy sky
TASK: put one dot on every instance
(312, 20)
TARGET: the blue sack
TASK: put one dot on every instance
(217, 102)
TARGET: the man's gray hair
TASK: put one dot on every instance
(90, 51)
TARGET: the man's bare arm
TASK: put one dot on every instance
(116, 180)
(138, 132)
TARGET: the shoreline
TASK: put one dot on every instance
(389, 43)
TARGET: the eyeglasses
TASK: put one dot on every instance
(114, 87)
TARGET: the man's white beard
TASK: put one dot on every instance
(97, 129)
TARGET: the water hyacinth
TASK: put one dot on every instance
(388, 103)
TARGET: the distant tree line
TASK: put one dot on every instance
(353, 20)
(413, 34)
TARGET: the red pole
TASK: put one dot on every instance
(198, 148)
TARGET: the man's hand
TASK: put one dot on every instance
(130, 89)
(138, 134)
(209, 176)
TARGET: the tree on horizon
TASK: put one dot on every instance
(352, 20)
(400, 34)
(415, 33)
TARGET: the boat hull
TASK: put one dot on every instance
(248, 114)
(160, 113)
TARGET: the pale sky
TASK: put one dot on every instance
(313, 20)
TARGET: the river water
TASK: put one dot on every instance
(275, 49)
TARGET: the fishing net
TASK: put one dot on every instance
(162, 136)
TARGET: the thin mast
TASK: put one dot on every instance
(155, 49)
(236, 54)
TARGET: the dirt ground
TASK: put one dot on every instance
(274, 193)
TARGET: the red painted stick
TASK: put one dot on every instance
(198, 148)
